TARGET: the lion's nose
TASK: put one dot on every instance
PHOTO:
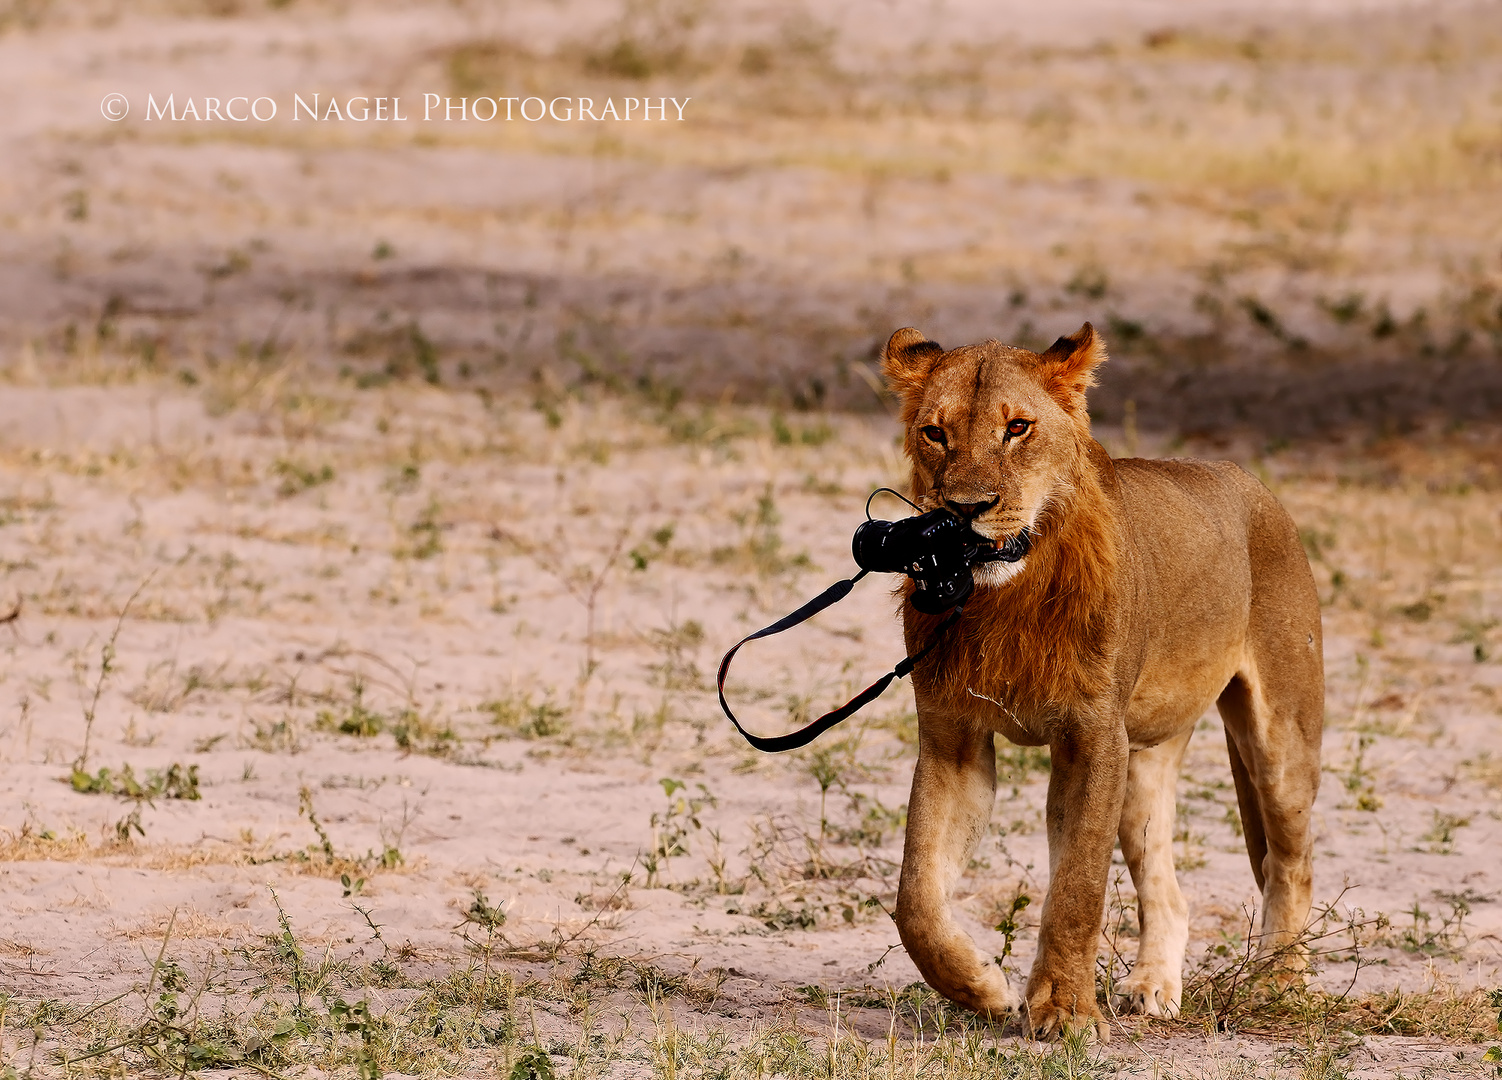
(969, 510)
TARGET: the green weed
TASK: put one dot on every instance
(1358, 779)
(673, 826)
(1440, 837)
(354, 717)
(1010, 924)
(346, 867)
(1446, 936)
(106, 668)
(294, 477)
(519, 715)
(425, 533)
(653, 548)
(281, 736)
(177, 781)
(416, 733)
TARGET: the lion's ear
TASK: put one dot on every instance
(908, 359)
(1068, 368)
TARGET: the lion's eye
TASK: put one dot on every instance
(935, 434)
(1018, 427)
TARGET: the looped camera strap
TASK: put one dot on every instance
(805, 735)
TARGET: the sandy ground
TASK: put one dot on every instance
(437, 579)
(454, 638)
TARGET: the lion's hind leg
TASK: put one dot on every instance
(1274, 716)
(1156, 982)
(1274, 712)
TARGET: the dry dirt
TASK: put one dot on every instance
(392, 487)
(430, 594)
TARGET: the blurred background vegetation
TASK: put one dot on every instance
(1285, 221)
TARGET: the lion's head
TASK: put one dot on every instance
(995, 433)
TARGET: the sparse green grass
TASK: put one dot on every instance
(801, 873)
(413, 730)
(761, 548)
(1441, 835)
(1487, 768)
(295, 477)
(519, 715)
(352, 717)
(276, 1004)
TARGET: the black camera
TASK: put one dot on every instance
(935, 549)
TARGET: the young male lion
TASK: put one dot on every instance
(1150, 589)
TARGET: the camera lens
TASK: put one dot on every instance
(874, 548)
(893, 547)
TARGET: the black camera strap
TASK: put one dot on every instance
(805, 735)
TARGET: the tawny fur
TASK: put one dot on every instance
(1152, 589)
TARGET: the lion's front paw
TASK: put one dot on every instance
(986, 993)
(994, 996)
(1056, 1007)
(1151, 991)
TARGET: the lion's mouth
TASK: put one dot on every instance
(1011, 551)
